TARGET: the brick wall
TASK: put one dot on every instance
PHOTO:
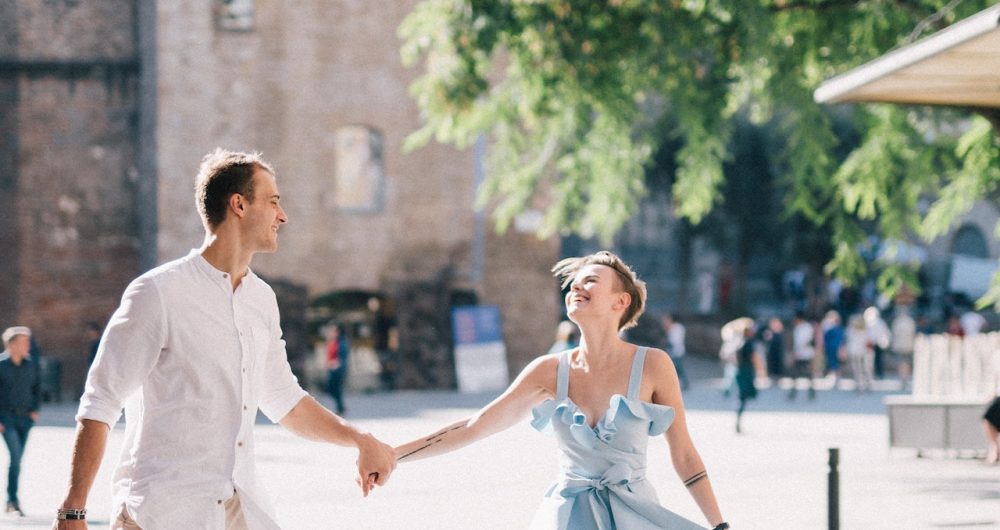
(67, 107)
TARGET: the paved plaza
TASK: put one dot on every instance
(773, 476)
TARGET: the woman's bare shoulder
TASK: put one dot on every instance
(543, 365)
(541, 372)
(658, 361)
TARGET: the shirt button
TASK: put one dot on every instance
(244, 407)
(244, 370)
(219, 501)
(239, 444)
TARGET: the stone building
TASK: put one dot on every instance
(113, 104)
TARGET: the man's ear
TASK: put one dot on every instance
(237, 203)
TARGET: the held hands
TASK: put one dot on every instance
(376, 461)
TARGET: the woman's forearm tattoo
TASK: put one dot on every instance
(433, 439)
(695, 478)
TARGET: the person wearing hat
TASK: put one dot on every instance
(20, 397)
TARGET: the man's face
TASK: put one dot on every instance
(19, 346)
(264, 215)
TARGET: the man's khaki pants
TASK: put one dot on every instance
(234, 517)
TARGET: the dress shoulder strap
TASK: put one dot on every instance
(562, 380)
(635, 379)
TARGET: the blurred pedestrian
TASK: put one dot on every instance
(991, 425)
(565, 337)
(833, 342)
(972, 323)
(924, 326)
(676, 348)
(338, 351)
(879, 338)
(92, 334)
(20, 399)
(746, 373)
(859, 353)
(904, 333)
(954, 326)
(774, 335)
(804, 354)
(732, 334)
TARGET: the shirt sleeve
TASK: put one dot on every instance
(280, 390)
(130, 348)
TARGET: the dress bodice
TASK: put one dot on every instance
(603, 468)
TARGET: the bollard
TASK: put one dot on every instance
(833, 491)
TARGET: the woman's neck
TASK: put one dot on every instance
(600, 342)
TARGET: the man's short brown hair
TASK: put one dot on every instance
(223, 173)
(566, 269)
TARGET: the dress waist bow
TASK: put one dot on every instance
(619, 475)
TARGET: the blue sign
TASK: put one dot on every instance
(476, 324)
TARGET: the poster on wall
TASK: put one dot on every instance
(480, 354)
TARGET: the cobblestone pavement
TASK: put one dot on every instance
(773, 476)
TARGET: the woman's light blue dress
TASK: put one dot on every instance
(601, 484)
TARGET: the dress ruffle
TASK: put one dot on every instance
(659, 416)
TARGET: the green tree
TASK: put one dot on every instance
(575, 97)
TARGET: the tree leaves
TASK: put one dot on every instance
(574, 97)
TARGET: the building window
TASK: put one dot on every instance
(235, 15)
(969, 241)
(359, 170)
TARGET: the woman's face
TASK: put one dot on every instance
(595, 291)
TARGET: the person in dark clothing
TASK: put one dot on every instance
(991, 425)
(337, 352)
(93, 336)
(775, 338)
(745, 373)
(20, 398)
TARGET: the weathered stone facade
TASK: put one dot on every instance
(301, 85)
(68, 87)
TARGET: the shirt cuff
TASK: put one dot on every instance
(94, 409)
(279, 405)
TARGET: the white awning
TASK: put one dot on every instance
(957, 66)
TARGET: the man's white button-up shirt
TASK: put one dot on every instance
(191, 360)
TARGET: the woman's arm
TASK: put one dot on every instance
(534, 384)
(687, 462)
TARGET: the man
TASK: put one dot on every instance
(194, 349)
(92, 334)
(803, 338)
(20, 398)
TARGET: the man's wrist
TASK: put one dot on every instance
(360, 438)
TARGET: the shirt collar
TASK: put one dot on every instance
(203, 265)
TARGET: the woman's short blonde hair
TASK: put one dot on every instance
(566, 270)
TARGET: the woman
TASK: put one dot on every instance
(601, 483)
